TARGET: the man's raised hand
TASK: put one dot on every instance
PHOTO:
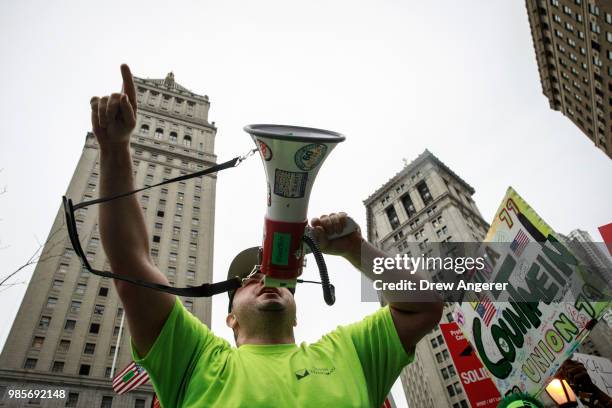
(113, 117)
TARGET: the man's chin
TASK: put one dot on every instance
(271, 305)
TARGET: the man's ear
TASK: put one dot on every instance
(231, 321)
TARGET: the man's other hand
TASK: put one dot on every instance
(326, 225)
(113, 117)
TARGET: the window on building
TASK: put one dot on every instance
(463, 403)
(37, 342)
(57, 284)
(195, 221)
(99, 309)
(63, 346)
(450, 390)
(116, 330)
(111, 351)
(139, 403)
(70, 324)
(144, 129)
(171, 272)
(176, 230)
(187, 141)
(94, 328)
(434, 344)
(80, 288)
(72, 400)
(392, 216)
(445, 354)
(107, 402)
(194, 233)
(191, 260)
(63, 268)
(189, 305)
(444, 372)
(103, 291)
(159, 133)
(424, 193)
(75, 306)
(193, 246)
(173, 137)
(458, 388)
(58, 367)
(439, 357)
(90, 348)
(84, 369)
(51, 302)
(172, 257)
(190, 275)
(30, 363)
(408, 205)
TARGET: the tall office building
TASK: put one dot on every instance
(426, 202)
(67, 327)
(573, 47)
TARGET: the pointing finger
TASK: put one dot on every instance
(128, 85)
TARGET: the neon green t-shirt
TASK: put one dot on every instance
(353, 366)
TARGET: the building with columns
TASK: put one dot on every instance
(426, 202)
(66, 334)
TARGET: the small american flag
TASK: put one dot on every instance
(129, 378)
(486, 311)
(155, 403)
(520, 242)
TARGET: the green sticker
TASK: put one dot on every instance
(280, 248)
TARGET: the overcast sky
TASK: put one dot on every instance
(396, 77)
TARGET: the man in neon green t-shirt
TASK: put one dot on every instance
(353, 366)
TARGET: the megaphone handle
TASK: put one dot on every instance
(350, 227)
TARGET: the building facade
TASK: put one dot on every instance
(426, 202)
(573, 47)
(599, 340)
(68, 332)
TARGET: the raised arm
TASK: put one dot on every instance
(122, 223)
(412, 319)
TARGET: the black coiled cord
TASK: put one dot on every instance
(329, 292)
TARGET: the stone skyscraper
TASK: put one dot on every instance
(67, 327)
(426, 202)
(573, 47)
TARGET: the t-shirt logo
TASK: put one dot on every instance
(299, 374)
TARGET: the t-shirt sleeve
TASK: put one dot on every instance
(380, 352)
(182, 341)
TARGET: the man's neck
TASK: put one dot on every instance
(266, 332)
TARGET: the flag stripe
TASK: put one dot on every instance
(132, 384)
(119, 376)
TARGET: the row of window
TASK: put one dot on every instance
(159, 135)
(408, 205)
(169, 159)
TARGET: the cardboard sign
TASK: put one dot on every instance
(599, 369)
(523, 343)
(479, 387)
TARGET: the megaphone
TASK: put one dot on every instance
(292, 157)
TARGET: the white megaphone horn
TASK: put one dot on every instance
(292, 157)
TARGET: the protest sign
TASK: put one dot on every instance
(478, 386)
(523, 334)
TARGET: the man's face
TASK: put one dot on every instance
(254, 296)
